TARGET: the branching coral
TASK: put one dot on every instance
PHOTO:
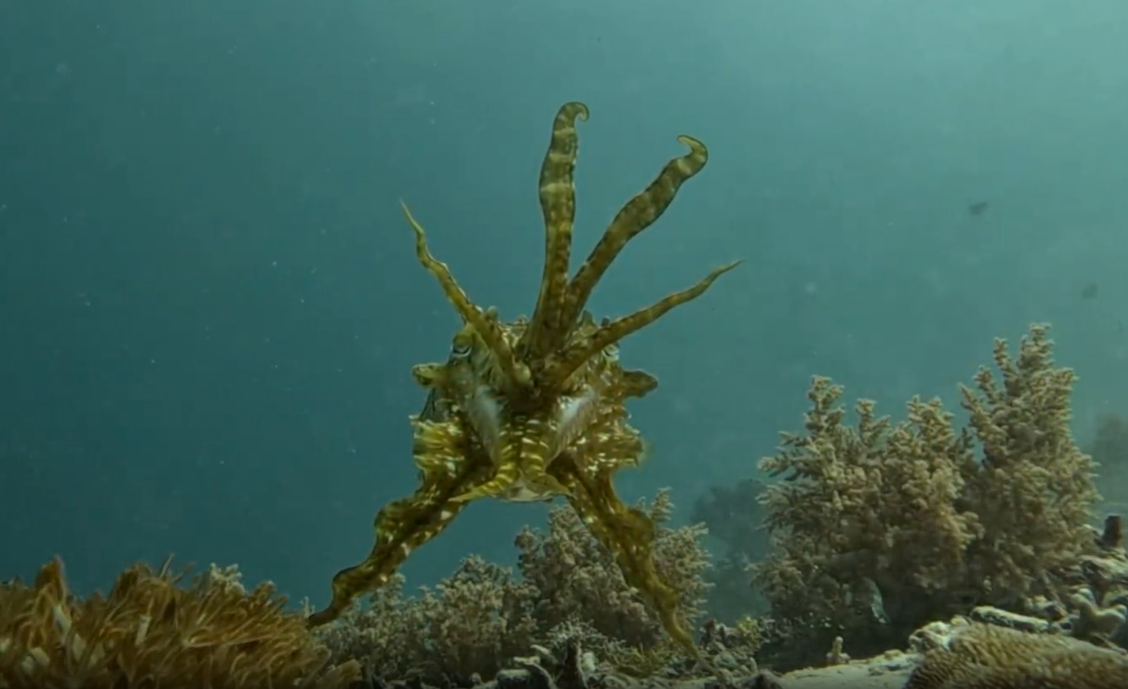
(1033, 489)
(885, 522)
(866, 511)
(151, 632)
(472, 622)
(478, 618)
(567, 587)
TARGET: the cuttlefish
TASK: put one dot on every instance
(535, 408)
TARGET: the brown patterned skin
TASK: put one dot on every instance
(535, 408)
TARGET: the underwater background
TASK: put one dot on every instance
(210, 303)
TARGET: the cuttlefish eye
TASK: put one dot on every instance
(462, 343)
(459, 350)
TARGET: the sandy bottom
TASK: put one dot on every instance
(889, 671)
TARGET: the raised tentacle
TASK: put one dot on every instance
(639, 214)
(559, 368)
(487, 328)
(449, 464)
(558, 206)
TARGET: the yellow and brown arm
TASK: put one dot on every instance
(450, 463)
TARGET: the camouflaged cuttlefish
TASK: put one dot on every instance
(535, 408)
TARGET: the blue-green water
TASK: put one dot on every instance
(209, 301)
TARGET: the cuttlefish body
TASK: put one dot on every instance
(535, 408)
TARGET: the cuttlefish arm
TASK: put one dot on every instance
(637, 215)
(557, 193)
(588, 468)
(560, 367)
(450, 464)
(549, 342)
(629, 534)
(484, 322)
